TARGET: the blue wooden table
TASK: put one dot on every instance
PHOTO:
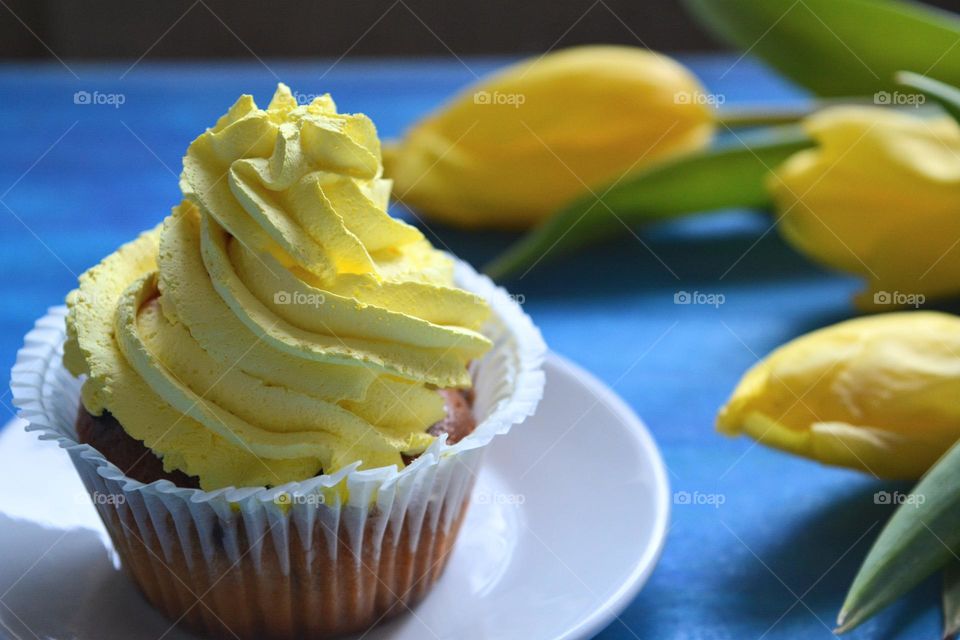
(769, 557)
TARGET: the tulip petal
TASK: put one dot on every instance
(878, 197)
(510, 150)
(877, 394)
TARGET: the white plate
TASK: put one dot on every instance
(568, 520)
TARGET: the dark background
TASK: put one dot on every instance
(301, 28)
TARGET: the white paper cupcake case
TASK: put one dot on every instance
(303, 562)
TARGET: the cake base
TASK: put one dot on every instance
(230, 577)
(327, 590)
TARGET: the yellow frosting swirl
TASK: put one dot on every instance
(279, 322)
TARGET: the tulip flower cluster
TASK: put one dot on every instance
(870, 191)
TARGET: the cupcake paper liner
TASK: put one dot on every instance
(304, 559)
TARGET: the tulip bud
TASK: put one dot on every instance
(878, 197)
(512, 149)
(880, 394)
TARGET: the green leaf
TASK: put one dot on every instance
(723, 177)
(839, 47)
(948, 97)
(918, 540)
(951, 599)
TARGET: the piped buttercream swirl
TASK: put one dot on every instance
(279, 322)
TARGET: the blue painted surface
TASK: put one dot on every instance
(772, 561)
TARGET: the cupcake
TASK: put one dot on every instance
(284, 392)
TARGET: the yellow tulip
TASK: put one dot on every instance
(880, 394)
(512, 149)
(878, 197)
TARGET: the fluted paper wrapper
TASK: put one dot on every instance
(306, 559)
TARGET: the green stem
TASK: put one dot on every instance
(761, 116)
(722, 177)
(945, 95)
(766, 115)
(951, 600)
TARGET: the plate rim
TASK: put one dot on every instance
(610, 610)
